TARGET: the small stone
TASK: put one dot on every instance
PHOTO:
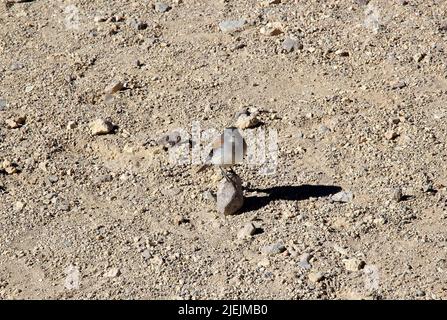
(64, 207)
(29, 88)
(16, 66)
(2, 104)
(247, 231)
(420, 293)
(209, 196)
(342, 196)
(391, 135)
(170, 139)
(138, 63)
(71, 125)
(232, 25)
(290, 44)
(11, 170)
(230, 197)
(9, 167)
(114, 87)
(266, 3)
(112, 273)
(137, 24)
(19, 206)
(427, 187)
(162, 7)
(362, 2)
(102, 179)
(101, 126)
(100, 19)
(246, 121)
(272, 29)
(247, 118)
(146, 254)
(156, 260)
(398, 85)
(342, 53)
(315, 277)
(304, 261)
(16, 122)
(264, 262)
(397, 194)
(179, 220)
(419, 57)
(53, 179)
(273, 249)
(353, 264)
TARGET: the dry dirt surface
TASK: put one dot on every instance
(355, 89)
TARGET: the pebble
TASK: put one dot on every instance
(53, 179)
(230, 197)
(114, 87)
(397, 194)
(16, 66)
(162, 7)
(16, 122)
(315, 277)
(353, 264)
(71, 125)
(101, 126)
(398, 85)
(427, 187)
(304, 261)
(2, 104)
(232, 25)
(247, 231)
(342, 53)
(156, 260)
(246, 119)
(264, 262)
(137, 24)
(342, 196)
(391, 135)
(179, 220)
(290, 44)
(9, 167)
(146, 254)
(362, 2)
(273, 249)
(64, 207)
(209, 196)
(19, 206)
(272, 29)
(420, 293)
(112, 273)
(102, 178)
(100, 19)
(267, 3)
(419, 57)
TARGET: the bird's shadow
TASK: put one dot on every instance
(289, 193)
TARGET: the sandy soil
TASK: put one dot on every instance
(359, 105)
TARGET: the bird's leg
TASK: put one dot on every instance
(225, 174)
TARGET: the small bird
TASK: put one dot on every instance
(227, 150)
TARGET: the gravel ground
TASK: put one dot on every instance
(355, 89)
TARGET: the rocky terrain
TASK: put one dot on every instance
(91, 207)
